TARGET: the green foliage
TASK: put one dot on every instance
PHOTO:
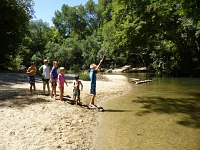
(85, 75)
(163, 35)
(35, 42)
(75, 68)
(91, 49)
(14, 16)
(150, 27)
(15, 64)
(37, 58)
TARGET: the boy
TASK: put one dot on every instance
(76, 90)
(31, 71)
(53, 78)
(44, 71)
(94, 69)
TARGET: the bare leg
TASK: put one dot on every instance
(78, 98)
(48, 87)
(31, 88)
(54, 91)
(34, 88)
(61, 93)
(75, 101)
(44, 84)
(51, 93)
(92, 99)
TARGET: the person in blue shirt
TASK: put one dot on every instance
(53, 78)
(94, 69)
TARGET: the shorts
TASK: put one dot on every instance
(45, 80)
(76, 92)
(93, 89)
(31, 79)
(54, 83)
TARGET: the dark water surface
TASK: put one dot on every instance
(160, 115)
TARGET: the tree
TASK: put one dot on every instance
(14, 16)
(91, 49)
(179, 21)
(34, 43)
(78, 21)
(143, 27)
(70, 21)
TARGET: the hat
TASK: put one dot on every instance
(62, 68)
(92, 66)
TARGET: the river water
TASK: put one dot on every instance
(159, 115)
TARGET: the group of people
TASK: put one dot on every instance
(58, 78)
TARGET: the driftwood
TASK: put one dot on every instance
(138, 81)
(144, 81)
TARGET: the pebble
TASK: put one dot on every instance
(69, 142)
(80, 120)
(74, 122)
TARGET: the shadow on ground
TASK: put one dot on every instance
(20, 97)
(190, 107)
(17, 97)
(12, 78)
(17, 78)
(22, 102)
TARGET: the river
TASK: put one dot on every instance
(159, 115)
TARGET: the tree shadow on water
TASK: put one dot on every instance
(190, 107)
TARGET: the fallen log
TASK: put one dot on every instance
(144, 81)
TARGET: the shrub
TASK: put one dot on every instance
(75, 68)
(15, 64)
(85, 75)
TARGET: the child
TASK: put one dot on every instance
(76, 90)
(61, 81)
(31, 71)
(53, 78)
(45, 73)
(94, 69)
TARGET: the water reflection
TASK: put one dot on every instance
(188, 106)
(163, 114)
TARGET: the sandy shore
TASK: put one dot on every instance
(38, 122)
